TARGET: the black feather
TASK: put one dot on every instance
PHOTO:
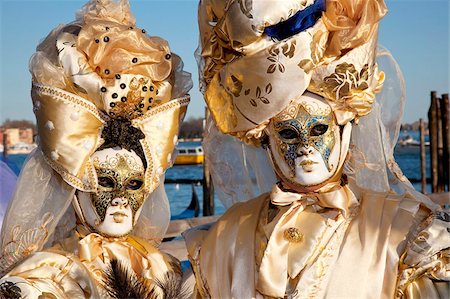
(10, 290)
(171, 283)
(121, 282)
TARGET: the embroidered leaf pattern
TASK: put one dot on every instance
(287, 50)
(271, 68)
(258, 92)
(259, 96)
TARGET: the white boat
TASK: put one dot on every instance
(21, 148)
(408, 140)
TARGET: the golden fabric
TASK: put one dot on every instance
(97, 69)
(351, 23)
(283, 256)
(124, 43)
(359, 259)
(247, 75)
(80, 274)
(350, 82)
(70, 126)
(245, 72)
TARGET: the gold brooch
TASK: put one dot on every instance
(293, 235)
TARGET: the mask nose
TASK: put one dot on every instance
(120, 201)
(305, 151)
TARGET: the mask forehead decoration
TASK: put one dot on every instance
(119, 176)
(304, 125)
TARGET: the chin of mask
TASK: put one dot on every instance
(114, 208)
(305, 141)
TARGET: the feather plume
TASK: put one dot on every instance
(121, 282)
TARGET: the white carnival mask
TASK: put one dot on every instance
(114, 208)
(305, 141)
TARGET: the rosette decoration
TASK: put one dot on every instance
(257, 56)
(102, 75)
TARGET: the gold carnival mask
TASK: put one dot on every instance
(304, 140)
(119, 176)
(305, 130)
(114, 207)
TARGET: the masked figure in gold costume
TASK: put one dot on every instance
(299, 79)
(90, 208)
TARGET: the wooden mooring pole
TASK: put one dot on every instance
(208, 187)
(423, 159)
(5, 145)
(445, 124)
(438, 126)
(432, 132)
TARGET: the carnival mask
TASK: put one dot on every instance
(305, 141)
(114, 208)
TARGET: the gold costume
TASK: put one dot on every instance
(341, 221)
(89, 210)
(357, 254)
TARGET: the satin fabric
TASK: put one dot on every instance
(245, 72)
(361, 261)
(65, 272)
(351, 23)
(282, 256)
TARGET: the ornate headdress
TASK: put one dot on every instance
(113, 80)
(260, 55)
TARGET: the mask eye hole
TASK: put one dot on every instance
(134, 184)
(318, 130)
(288, 134)
(106, 182)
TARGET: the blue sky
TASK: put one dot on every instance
(415, 31)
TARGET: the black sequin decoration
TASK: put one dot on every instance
(120, 132)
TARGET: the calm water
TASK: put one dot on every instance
(180, 195)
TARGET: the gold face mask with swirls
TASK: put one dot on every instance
(119, 176)
(304, 126)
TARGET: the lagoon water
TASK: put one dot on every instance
(408, 158)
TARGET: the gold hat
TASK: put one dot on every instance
(100, 70)
(256, 59)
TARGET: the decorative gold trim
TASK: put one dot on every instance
(71, 179)
(176, 103)
(71, 98)
(149, 172)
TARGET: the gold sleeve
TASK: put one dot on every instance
(424, 270)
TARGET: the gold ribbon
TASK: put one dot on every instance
(284, 258)
(143, 258)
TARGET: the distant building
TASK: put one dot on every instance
(16, 135)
